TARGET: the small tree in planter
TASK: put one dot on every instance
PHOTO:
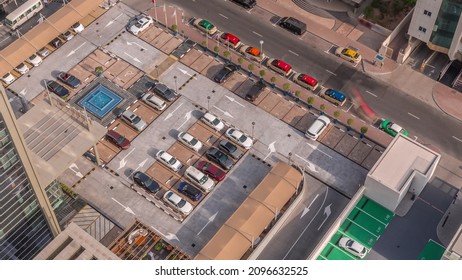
(174, 28)
(349, 123)
(297, 96)
(273, 81)
(99, 71)
(322, 108)
(363, 131)
(286, 88)
(226, 54)
(262, 73)
(310, 101)
(336, 115)
(251, 67)
(240, 60)
(204, 45)
(216, 49)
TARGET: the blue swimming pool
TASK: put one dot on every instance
(100, 101)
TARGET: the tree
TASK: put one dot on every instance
(251, 67)
(273, 80)
(349, 123)
(322, 108)
(262, 73)
(240, 60)
(216, 49)
(310, 101)
(297, 93)
(337, 114)
(174, 28)
(364, 130)
(99, 70)
(226, 54)
(286, 86)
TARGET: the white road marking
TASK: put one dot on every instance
(457, 138)
(332, 73)
(371, 93)
(258, 34)
(349, 108)
(413, 115)
(222, 15)
(293, 53)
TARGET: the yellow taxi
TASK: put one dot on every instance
(348, 54)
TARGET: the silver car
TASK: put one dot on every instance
(353, 247)
(169, 161)
(189, 141)
(133, 120)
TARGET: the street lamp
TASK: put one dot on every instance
(261, 50)
(290, 156)
(253, 128)
(48, 92)
(176, 87)
(157, 71)
(208, 103)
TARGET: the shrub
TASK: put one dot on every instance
(240, 60)
(216, 48)
(273, 79)
(297, 93)
(322, 107)
(310, 100)
(364, 129)
(174, 28)
(262, 73)
(99, 70)
(68, 190)
(368, 12)
(251, 67)
(286, 86)
(337, 114)
(226, 54)
(350, 122)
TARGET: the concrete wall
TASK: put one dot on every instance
(381, 194)
(419, 19)
(394, 33)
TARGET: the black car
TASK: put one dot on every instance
(164, 92)
(69, 79)
(224, 73)
(58, 89)
(146, 182)
(56, 43)
(230, 149)
(189, 191)
(248, 4)
(255, 91)
(293, 25)
(220, 158)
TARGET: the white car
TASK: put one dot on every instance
(353, 247)
(169, 161)
(133, 120)
(178, 203)
(154, 101)
(319, 125)
(140, 25)
(8, 78)
(239, 138)
(67, 35)
(189, 141)
(213, 121)
(77, 27)
(22, 68)
(35, 60)
(44, 52)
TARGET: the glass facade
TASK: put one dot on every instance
(24, 230)
(446, 23)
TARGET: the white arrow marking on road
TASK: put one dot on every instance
(109, 23)
(224, 112)
(132, 57)
(23, 92)
(271, 148)
(76, 49)
(126, 207)
(307, 209)
(316, 148)
(310, 165)
(233, 100)
(187, 116)
(168, 236)
(141, 164)
(211, 219)
(76, 171)
(169, 115)
(135, 43)
(186, 73)
(123, 162)
(327, 212)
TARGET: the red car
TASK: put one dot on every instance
(211, 170)
(117, 139)
(279, 66)
(228, 38)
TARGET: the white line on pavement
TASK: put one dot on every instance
(413, 115)
(457, 138)
(371, 93)
(258, 34)
(223, 16)
(293, 53)
(332, 73)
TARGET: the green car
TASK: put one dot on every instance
(392, 128)
(205, 26)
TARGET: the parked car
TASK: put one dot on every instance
(58, 89)
(154, 101)
(293, 25)
(317, 127)
(133, 120)
(178, 203)
(225, 72)
(44, 52)
(219, 157)
(189, 141)
(205, 26)
(22, 68)
(306, 81)
(230, 149)
(189, 191)
(333, 96)
(229, 39)
(252, 52)
(67, 35)
(279, 66)
(8, 78)
(199, 179)
(35, 60)
(248, 4)
(56, 43)
(168, 160)
(141, 24)
(165, 92)
(239, 138)
(146, 182)
(211, 170)
(213, 121)
(77, 27)
(117, 139)
(392, 128)
(255, 91)
(348, 54)
(353, 247)
(69, 79)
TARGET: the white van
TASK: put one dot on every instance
(317, 127)
(154, 101)
(199, 179)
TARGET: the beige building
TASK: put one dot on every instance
(75, 244)
(405, 167)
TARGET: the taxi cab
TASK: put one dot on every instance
(205, 26)
(348, 54)
(279, 66)
(252, 53)
(306, 81)
(333, 96)
(230, 39)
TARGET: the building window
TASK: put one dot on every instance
(423, 29)
(427, 13)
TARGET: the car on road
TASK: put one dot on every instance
(8, 78)
(225, 72)
(35, 60)
(169, 160)
(189, 191)
(219, 157)
(77, 27)
(178, 203)
(229, 39)
(146, 182)
(230, 149)
(252, 53)
(239, 138)
(348, 54)
(58, 89)
(189, 141)
(293, 25)
(333, 96)
(56, 43)
(133, 120)
(205, 26)
(115, 138)
(67, 35)
(279, 66)
(142, 23)
(211, 170)
(154, 101)
(44, 52)
(213, 121)
(353, 247)
(255, 91)
(69, 79)
(392, 128)
(317, 127)
(22, 68)
(306, 81)
(165, 92)
(248, 4)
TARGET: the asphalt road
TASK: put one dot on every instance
(310, 55)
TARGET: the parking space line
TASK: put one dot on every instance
(293, 53)
(258, 34)
(371, 93)
(413, 115)
(457, 138)
(332, 73)
(222, 15)
(301, 37)
(349, 108)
